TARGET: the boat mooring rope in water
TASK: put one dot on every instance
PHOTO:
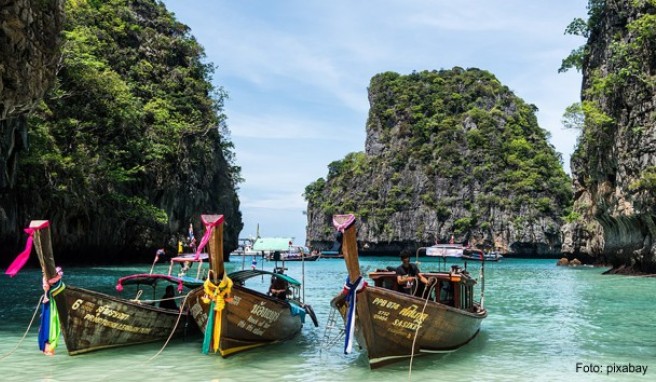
(433, 282)
(29, 326)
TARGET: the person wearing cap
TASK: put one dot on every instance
(408, 273)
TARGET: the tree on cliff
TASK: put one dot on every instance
(131, 144)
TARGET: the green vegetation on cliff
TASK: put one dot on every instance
(626, 73)
(454, 142)
(613, 164)
(132, 140)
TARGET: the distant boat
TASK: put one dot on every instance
(282, 249)
(493, 256)
(454, 251)
(391, 325)
(331, 255)
(294, 253)
(244, 247)
(92, 320)
(235, 318)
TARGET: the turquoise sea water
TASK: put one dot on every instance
(543, 321)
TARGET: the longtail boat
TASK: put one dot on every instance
(235, 318)
(456, 251)
(91, 320)
(295, 253)
(392, 325)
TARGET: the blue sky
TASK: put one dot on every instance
(297, 73)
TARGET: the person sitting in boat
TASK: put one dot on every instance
(446, 293)
(168, 300)
(278, 287)
(184, 267)
(408, 273)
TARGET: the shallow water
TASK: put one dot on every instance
(543, 321)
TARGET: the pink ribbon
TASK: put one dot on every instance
(209, 226)
(22, 258)
(342, 222)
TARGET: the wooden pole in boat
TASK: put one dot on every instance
(43, 246)
(346, 223)
(215, 245)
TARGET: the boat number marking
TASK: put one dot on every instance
(264, 312)
(256, 325)
(411, 312)
(117, 325)
(381, 315)
(76, 304)
(111, 313)
(381, 302)
(101, 315)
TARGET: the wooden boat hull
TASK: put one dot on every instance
(250, 320)
(386, 323)
(92, 321)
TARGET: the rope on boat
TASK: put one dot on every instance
(173, 330)
(160, 300)
(29, 326)
(414, 340)
(109, 376)
(138, 296)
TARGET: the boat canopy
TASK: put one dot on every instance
(190, 257)
(241, 276)
(273, 244)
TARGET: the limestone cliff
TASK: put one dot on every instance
(128, 147)
(29, 54)
(614, 165)
(449, 152)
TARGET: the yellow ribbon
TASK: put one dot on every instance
(220, 294)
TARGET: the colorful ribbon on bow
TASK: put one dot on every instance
(217, 296)
(352, 291)
(49, 330)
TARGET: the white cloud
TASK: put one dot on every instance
(281, 127)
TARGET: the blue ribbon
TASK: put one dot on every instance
(49, 329)
(351, 299)
(44, 328)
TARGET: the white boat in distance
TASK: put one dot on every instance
(455, 250)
